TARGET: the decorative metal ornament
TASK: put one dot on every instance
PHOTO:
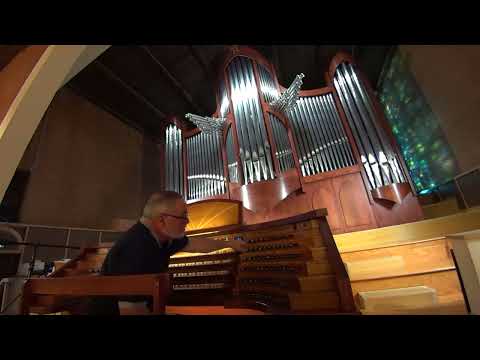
(288, 100)
(207, 124)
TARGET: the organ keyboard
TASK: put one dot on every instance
(202, 278)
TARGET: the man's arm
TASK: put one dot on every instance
(196, 244)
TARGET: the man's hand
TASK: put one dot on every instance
(208, 244)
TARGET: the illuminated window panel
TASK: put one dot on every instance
(427, 153)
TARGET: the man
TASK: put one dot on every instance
(147, 246)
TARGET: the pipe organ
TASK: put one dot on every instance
(265, 143)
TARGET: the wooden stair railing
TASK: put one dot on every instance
(156, 285)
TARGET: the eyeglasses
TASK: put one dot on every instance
(185, 218)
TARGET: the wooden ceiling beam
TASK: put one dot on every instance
(195, 54)
(186, 95)
(130, 89)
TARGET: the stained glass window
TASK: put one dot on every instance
(428, 155)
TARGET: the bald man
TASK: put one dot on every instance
(147, 246)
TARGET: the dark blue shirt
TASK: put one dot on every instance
(136, 252)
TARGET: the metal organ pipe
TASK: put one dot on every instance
(174, 159)
(333, 140)
(378, 158)
(231, 160)
(369, 128)
(363, 146)
(300, 144)
(308, 144)
(168, 162)
(260, 123)
(224, 102)
(257, 156)
(397, 171)
(205, 173)
(319, 135)
(267, 85)
(312, 166)
(332, 114)
(284, 151)
(248, 113)
(180, 157)
(242, 135)
(324, 128)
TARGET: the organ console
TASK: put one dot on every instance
(288, 266)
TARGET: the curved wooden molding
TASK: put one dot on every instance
(264, 195)
(316, 92)
(394, 193)
(337, 60)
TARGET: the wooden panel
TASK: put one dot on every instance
(324, 196)
(309, 301)
(387, 213)
(319, 253)
(407, 233)
(96, 285)
(442, 208)
(331, 174)
(354, 201)
(295, 203)
(264, 195)
(376, 267)
(444, 282)
(317, 283)
(318, 268)
(394, 193)
(398, 260)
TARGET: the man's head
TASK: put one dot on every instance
(167, 214)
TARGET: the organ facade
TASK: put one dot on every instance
(286, 151)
